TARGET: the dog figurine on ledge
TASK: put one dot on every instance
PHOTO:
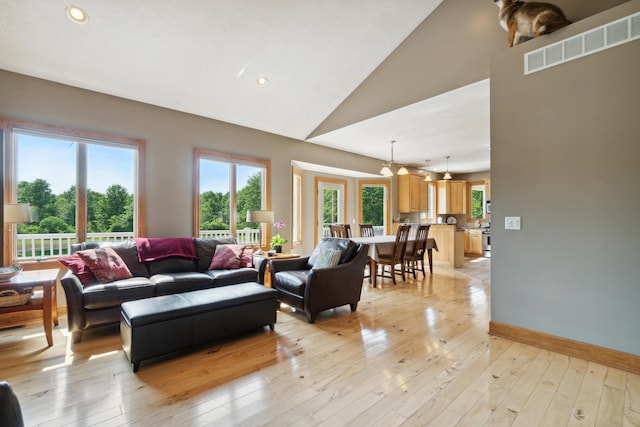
(529, 20)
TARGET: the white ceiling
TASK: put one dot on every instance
(203, 57)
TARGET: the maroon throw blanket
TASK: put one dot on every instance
(150, 249)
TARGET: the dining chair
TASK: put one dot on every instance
(366, 230)
(348, 228)
(416, 254)
(396, 257)
(339, 230)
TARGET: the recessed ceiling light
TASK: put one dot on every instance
(77, 15)
(262, 81)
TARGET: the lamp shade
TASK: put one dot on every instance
(17, 213)
(260, 216)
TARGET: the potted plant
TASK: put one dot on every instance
(277, 241)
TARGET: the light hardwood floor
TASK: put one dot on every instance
(415, 354)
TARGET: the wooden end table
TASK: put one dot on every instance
(267, 271)
(45, 279)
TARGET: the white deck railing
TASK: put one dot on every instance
(56, 244)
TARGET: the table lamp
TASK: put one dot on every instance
(17, 213)
(260, 216)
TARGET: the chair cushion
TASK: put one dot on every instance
(79, 268)
(104, 295)
(105, 264)
(206, 247)
(347, 246)
(292, 281)
(172, 283)
(128, 251)
(231, 277)
(226, 257)
(328, 258)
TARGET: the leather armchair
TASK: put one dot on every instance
(313, 290)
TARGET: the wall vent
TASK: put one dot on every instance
(607, 36)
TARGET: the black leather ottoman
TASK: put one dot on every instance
(160, 325)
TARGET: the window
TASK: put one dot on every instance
(227, 187)
(477, 200)
(374, 205)
(330, 205)
(81, 186)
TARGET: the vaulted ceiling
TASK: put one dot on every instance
(347, 74)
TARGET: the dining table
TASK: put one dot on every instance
(384, 245)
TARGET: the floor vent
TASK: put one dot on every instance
(607, 36)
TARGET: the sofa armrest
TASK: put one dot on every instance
(288, 264)
(260, 263)
(74, 294)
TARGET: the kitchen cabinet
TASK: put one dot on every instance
(409, 193)
(424, 196)
(450, 244)
(473, 242)
(451, 196)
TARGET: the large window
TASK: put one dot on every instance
(227, 186)
(80, 186)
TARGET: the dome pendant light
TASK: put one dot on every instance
(447, 175)
(428, 177)
(386, 169)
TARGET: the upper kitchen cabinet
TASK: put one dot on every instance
(487, 188)
(409, 193)
(451, 196)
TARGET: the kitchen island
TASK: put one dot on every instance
(450, 243)
(449, 240)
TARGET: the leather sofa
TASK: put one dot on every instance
(98, 304)
(313, 290)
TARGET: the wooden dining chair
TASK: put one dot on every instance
(348, 228)
(366, 230)
(396, 257)
(339, 230)
(415, 255)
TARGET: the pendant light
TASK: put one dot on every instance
(428, 177)
(386, 169)
(447, 175)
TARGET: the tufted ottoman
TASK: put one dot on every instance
(160, 325)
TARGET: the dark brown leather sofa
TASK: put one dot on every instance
(98, 304)
(313, 290)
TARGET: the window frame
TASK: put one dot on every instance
(387, 200)
(231, 159)
(12, 126)
(470, 185)
(296, 208)
(338, 184)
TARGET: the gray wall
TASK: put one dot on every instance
(565, 146)
(171, 138)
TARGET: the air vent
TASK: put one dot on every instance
(607, 36)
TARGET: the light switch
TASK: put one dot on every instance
(512, 223)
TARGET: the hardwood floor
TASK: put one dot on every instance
(415, 354)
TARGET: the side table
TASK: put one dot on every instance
(267, 271)
(45, 279)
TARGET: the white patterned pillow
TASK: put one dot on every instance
(327, 258)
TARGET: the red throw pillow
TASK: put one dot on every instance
(246, 259)
(79, 268)
(105, 264)
(226, 257)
